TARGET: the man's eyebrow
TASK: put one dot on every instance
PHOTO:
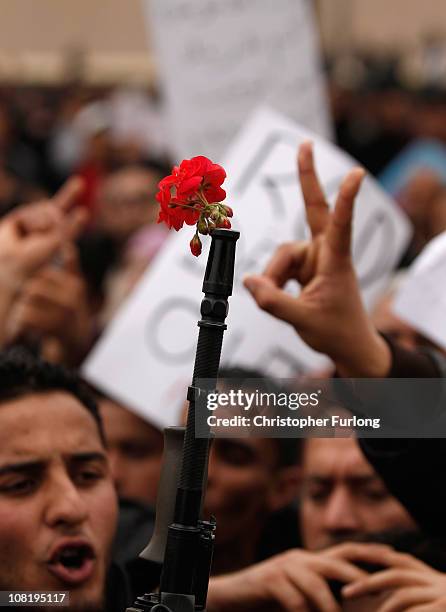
(317, 478)
(365, 479)
(88, 456)
(22, 466)
(39, 464)
(355, 478)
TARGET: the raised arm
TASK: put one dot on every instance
(30, 236)
(328, 313)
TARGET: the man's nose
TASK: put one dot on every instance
(65, 505)
(340, 515)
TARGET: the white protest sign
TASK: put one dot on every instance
(147, 354)
(421, 301)
(218, 60)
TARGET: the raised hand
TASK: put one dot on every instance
(328, 313)
(31, 235)
(53, 307)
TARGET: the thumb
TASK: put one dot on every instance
(69, 193)
(274, 300)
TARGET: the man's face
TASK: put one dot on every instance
(135, 450)
(342, 497)
(128, 202)
(58, 505)
(243, 479)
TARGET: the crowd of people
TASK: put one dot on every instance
(332, 524)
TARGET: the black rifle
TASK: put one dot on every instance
(188, 550)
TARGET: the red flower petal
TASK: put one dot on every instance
(202, 164)
(215, 175)
(189, 186)
(215, 194)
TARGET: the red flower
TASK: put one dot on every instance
(192, 194)
(183, 194)
(175, 215)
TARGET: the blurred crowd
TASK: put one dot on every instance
(316, 524)
(113, 140)
(385, 106)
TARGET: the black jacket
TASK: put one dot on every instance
(414, 470)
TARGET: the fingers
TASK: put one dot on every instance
(339, 227)
(315, 589)
(315, 203)
(293, 260)
(433, 606)
(285, 593)
(309, 573)
(377, 554)
(274, 300)
(45, 217)
(54, 287)
(29, 318)
(337, 569)
(44, 293)
(74, 220)
(404, 600)
(358, 551)
(387, 579)
(37, 217)
(38, 249)
(68, 193)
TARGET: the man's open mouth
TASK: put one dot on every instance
(72, 563)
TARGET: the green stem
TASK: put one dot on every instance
(202, 197)
(183, 206)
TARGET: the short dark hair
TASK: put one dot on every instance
(21, 373)
(288, 449)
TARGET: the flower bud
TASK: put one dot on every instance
(228, 210)
(202, 227)
(224, 223)
(195, 245)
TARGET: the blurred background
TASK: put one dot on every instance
(386, 68)
(80, 93)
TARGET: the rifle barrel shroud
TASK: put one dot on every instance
(189, 546)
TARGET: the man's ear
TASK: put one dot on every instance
(286, 487)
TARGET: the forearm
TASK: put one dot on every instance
(366, 355)
(380, 357)
(215, 596)
(234, 591)
(219, 594)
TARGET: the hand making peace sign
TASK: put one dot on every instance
(328, 313)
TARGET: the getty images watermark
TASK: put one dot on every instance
(261, 408)
(250, 402)
(334, 407)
